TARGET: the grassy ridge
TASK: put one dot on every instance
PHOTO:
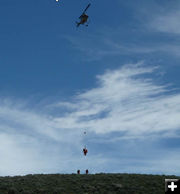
(83, 184)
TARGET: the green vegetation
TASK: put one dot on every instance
(84, 184)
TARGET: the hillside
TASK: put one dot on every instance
(83, 184)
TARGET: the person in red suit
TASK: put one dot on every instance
(85, 151)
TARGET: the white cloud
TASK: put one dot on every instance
(124, 100)
(130, 104)
(169, 22)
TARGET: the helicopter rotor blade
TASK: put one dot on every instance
(87, 8)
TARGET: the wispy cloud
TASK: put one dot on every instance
(168, 22)
(107, 47)
(125, 105)
(123, 102)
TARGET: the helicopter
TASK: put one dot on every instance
(83, 18)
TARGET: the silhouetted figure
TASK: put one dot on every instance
(87, 171)
(78, 171)
(85, 151)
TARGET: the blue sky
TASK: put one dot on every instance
(118, 79)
